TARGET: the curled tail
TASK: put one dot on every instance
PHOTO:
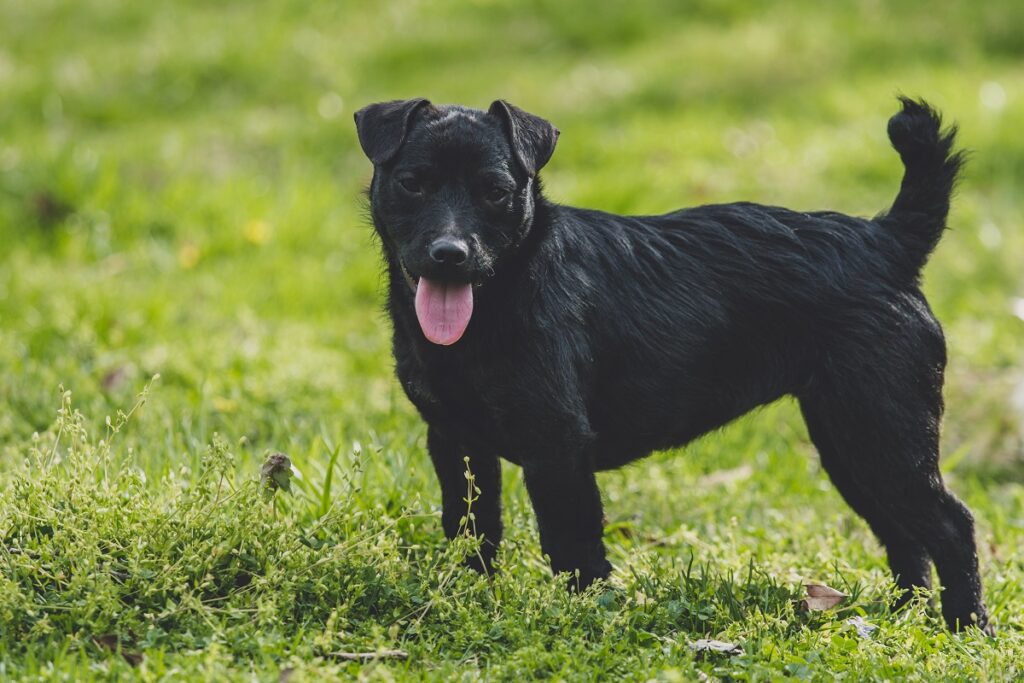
(918, 215)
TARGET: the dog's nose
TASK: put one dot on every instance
(449, 251)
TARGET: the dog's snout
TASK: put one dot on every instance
(449, 251)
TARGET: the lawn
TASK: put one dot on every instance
(188, 284)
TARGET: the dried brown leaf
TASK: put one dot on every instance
(820, 598)
(276, 473)
(707, 645)
(110, 642)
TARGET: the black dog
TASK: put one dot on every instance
(570, 341)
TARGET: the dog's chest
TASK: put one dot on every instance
(453, 389)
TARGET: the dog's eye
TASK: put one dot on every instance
(410, 184)
(496, 194)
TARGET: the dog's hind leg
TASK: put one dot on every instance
(875, 419)
(908, 559)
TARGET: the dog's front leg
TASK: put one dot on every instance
(568, 506)
(451, 469)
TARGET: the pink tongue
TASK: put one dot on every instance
(443, 309)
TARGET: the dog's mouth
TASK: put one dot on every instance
(443, 309)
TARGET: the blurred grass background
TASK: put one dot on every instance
(180, 193)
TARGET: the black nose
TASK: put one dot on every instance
(450, 251)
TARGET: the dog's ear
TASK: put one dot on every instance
(382, 127)
(533, 139)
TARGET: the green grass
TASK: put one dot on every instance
(180, 194)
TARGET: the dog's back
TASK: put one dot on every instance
(720, 308)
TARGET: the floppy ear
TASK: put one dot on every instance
(533, 138)
(382, 127)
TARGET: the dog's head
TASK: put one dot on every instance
(453, 194)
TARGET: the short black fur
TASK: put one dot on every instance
(596, 338)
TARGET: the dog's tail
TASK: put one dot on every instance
(918, 215)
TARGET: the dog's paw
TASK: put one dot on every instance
(481, 563)
(971, 621)
(581, 579)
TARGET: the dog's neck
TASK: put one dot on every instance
(537, 227)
